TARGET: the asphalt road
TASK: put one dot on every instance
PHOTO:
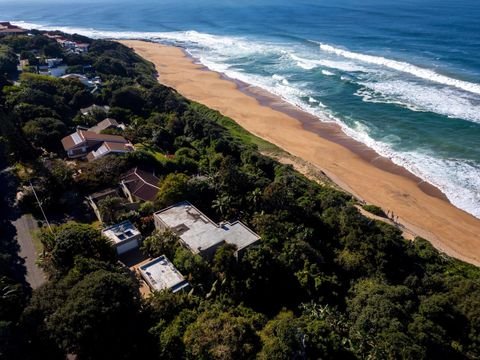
(25, 226)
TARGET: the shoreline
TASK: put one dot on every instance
(422, 208)
(326, 129)
(334, 133)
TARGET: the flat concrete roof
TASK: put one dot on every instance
(201, 233)
(160, 274)
(122, 232)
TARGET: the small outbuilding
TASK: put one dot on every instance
(124, 236)
(160, 274)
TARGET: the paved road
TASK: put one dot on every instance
(25, 225)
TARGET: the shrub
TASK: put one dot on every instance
(375, 210)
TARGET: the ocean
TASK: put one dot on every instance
(402, 77)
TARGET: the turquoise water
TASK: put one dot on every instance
(401, 76)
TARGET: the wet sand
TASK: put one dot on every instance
(421, 208)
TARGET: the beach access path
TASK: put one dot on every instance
(422, 212)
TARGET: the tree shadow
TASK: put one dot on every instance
(11, 264)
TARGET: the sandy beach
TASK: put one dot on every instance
(421, 208)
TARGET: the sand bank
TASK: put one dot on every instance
(421, 208)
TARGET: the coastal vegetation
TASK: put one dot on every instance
(374, 209)
(323, 282)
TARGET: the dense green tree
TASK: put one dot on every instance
(173, 188)
(283, 338)
(66, 242)
(380, 314)
(15, 146)
(45, 132)
(30, 56)
(225, 335)
(224, 261)
(110, 208)
(222, 203)
(130, 98)
(192, 266)
(8, 60)
(161, 243)
(102, 173)
(98, 318)
(170, 339)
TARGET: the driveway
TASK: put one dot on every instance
(25, 226)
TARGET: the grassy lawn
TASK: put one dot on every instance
(158, 155)
(236, 130)
(37, 244)
(96, 224)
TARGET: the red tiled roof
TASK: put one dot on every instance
(68, 142)
(12, 31)
(141, 184)
(6, 27)
(90, 135)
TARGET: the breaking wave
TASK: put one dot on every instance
(404, 67)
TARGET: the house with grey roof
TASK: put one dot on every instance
(200, 234)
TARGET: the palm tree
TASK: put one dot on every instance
(254, 197)
(222, 203)
(6, 290)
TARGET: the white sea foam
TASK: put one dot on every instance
(281, 79)
(404, 67)
(277, 77)
(458, 179)
(327, 73)
(417, 97)
(309, 64)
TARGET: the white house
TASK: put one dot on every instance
(200, 234)
(160, 274)
(84, 143)
(124, 236)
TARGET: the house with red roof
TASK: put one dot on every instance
(8, 29)
(139, 185)
(91, 145)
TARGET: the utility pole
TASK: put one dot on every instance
(41, 208)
